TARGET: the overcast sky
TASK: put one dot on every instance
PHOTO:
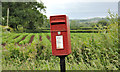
(80, 9)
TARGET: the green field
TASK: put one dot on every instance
(25, 40)
(90, 51)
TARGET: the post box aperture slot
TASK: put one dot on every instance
(58, 26)
(57, 23)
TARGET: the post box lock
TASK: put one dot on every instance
(60, 35)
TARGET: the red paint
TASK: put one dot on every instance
(60, 23)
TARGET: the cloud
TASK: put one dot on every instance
(71, 1)
(75, 7)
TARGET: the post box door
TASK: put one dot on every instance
(60, 35)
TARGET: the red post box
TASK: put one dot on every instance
(60, 35)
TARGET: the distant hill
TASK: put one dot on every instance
(77, 23)
(91, 20)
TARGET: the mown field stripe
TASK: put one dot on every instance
(16, 36)
(35, 39)
(22, 39)
(8, 40)
(26, 40)
(40, 37)
(31, 39)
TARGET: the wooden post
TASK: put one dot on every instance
(62, 63)
(7, 16)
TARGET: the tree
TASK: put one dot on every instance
(27, 14)
(103, 22)
(74, 24)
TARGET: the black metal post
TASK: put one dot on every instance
(62, 63)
